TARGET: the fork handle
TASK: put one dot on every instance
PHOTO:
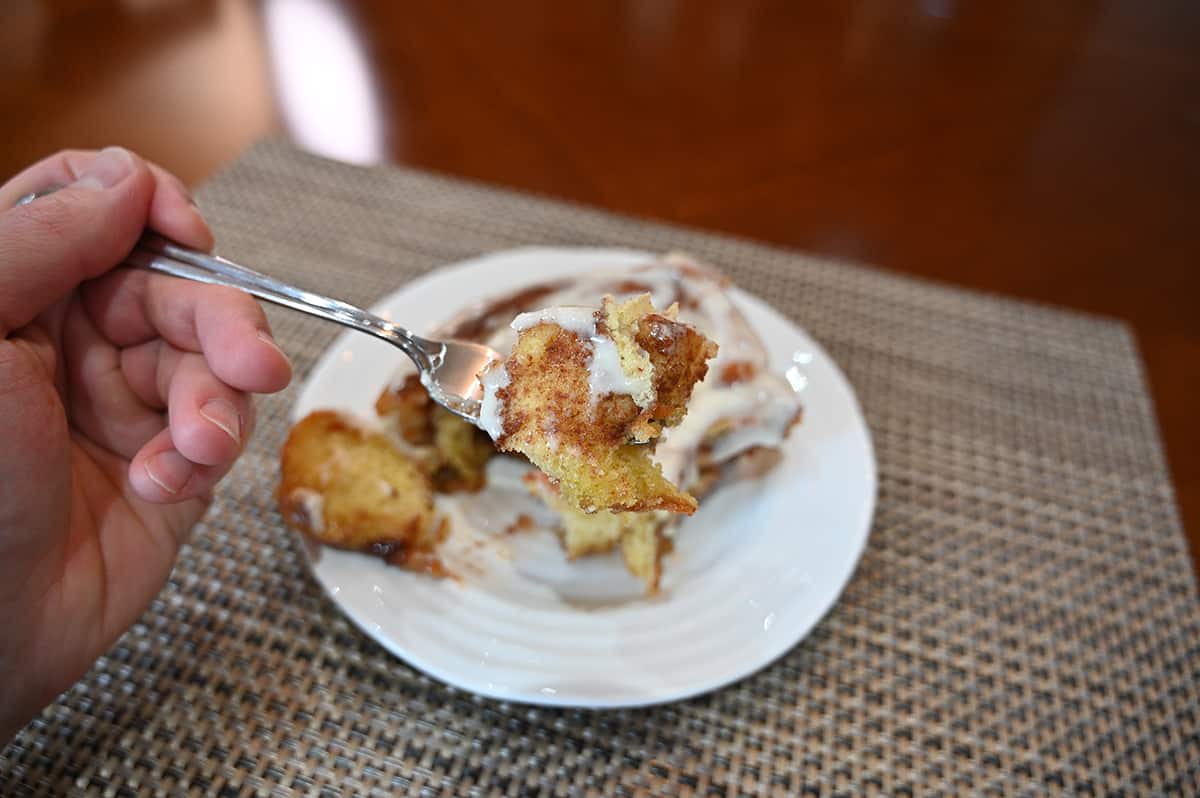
(158, 254)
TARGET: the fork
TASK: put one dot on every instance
(449, 369)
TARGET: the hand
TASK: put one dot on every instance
(124, 397)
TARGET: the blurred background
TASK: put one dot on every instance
(1045, 150)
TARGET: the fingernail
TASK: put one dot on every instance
(268, 339)
(169, 470)
(110, 166)
(223, 414)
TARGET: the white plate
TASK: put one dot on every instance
(752, 572)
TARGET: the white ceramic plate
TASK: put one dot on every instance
(752, 572)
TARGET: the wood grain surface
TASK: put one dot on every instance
(1047, 151)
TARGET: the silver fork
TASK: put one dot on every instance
(449, 369)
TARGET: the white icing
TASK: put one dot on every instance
(314, 508)
(753, 412)
(605, 373)
(757, 412)
(492, 407)
(579, 320)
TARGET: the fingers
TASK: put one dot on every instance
(161, 475)
(140, 365)
(117, 397)
(60, 169)
(102, 402)
(130, 307)
(173, 212)
(209, 420)
(51, 245)
(87, 227)
(209, 423)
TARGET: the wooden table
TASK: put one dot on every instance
(1043, 150)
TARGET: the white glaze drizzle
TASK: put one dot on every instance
(605, 373)
(754, 412)
(491, 409)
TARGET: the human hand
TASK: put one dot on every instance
(124, 397)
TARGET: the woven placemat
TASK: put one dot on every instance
(1024, 620)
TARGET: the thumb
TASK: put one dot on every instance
(51, 245)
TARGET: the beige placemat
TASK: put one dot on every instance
(1024, 620)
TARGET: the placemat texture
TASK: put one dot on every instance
(1024, 620)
